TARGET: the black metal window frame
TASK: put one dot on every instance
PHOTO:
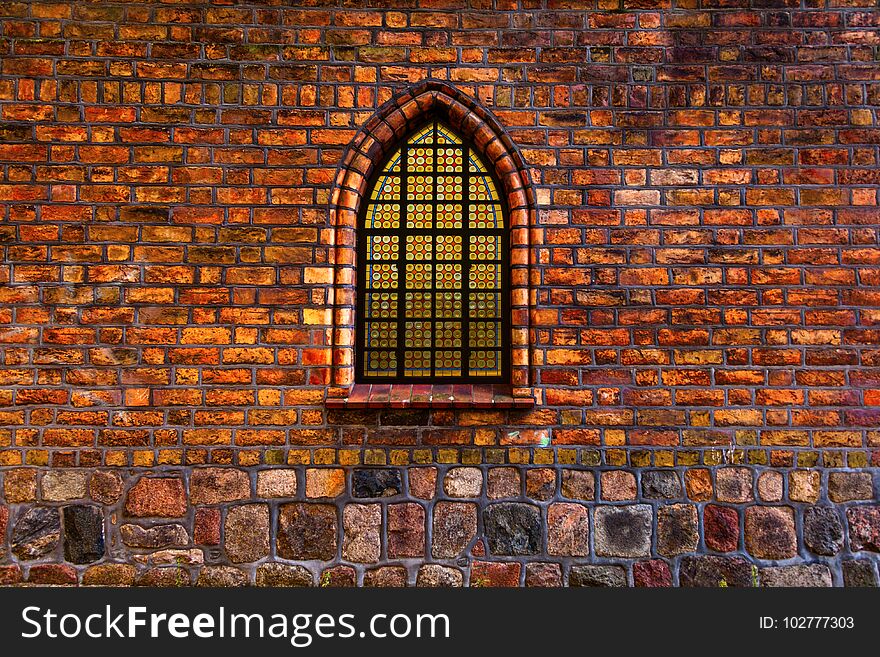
(465, 232)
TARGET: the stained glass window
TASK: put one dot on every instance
(432, 268)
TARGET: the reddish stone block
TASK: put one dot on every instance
(10, 575)
(495, 574)
(52, 574)
(423, 482)
(864, 527)
(699, 484)
(652, 573)
(406, 530)
(206, 526)
(568, 530)
(720, 528)
(543, 575)
(618, 485)
(4, 520)
(386, 576)
(540, 483)
(338, 577)
(161, 497)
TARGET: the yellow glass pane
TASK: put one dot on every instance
(484, 275)
(449, 160)
(446, 136)
(417, 363)
(393, 165)
(418, 304)
(382, 304)
(418, 275)
(448, 304)
(381, 335)
(449, 215)
(447, 334)
(418, 334)
(475, 162)
(486, 216)
(485, 334)
(382, 247)
(383, 215)
(447, 363)
(449, 188)
(419, 247)
(387, 188)
(481, 188)
(382, 276)
(419, 215)
(423, 136)
(485, 304)
(485, 247)
(485, 363)
(380, 363)
(448, 247)
(420, 160)
(448, 276)
(420, 188)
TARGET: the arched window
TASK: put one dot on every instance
(433, 274)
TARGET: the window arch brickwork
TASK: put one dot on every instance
(375, 142)
(432, 268)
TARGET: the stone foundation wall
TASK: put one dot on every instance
(441, 525)
(695, 293)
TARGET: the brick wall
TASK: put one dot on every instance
(703, 296)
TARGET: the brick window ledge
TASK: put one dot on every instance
(403, 395)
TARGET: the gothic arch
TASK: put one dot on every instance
(370, 147)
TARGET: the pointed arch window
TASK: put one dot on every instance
(433, 267)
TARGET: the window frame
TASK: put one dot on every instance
(362, 236)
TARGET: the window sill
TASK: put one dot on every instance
(403, 395)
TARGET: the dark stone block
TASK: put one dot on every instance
(605, 576)
(623, 531)
(36, 532)
(712, 571)
(661, 484)
(677, 530)
(823, 530)
(280, 574)
(307, 531)
(376, 482)
(83, 533)
(512, 528)
(405, 417)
